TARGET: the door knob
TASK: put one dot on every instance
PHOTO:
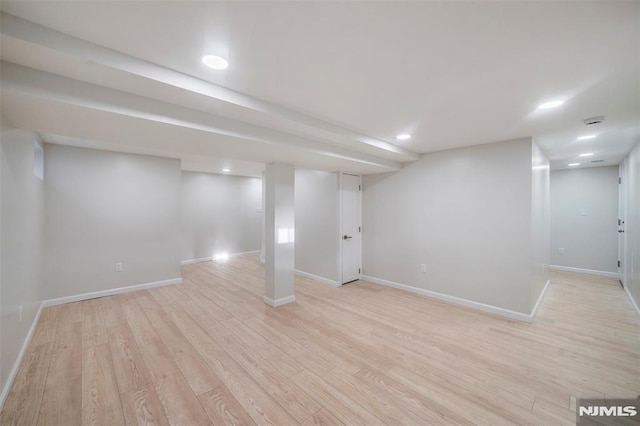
(347, 237)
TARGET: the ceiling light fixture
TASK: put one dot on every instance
(573, 164)
(586, 154)
(403, 137)
(549, 105)
(586, 137)
(215, 62)
(226, 170)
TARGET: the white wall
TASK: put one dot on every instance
(540, 222)
(317, 227)
(219, 214)
(106, 207)
(21, 243)
(631, 262)
(590, 241)
(465, 213)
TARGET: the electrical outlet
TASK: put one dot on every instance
(561, 250)
(20, 313)
(119, 267)
(423, 267)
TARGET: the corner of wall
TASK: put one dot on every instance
(486, 257)
(21, 238)
(126, 221)
(540, 225)
(631, 216)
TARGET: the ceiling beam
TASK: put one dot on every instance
(39, 84)
(31, 32)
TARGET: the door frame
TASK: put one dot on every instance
(340, 229)
(622, 219)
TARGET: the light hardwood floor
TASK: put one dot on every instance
(209, 351)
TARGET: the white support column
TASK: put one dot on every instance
(279, 216)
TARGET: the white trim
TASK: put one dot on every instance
(540, 298)
(210, 258)
(109, 292)
(18, 361)
(452, 299)
(200, 259)
(633, 302)
(244, 252)
(279, 302)
(583, 271)
(318, 278)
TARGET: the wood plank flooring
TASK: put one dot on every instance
(209, 351)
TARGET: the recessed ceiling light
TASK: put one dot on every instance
(573, 164)
(215, 62)
(226, 170)
(549, 105)
(403, 137)
(586, 154)
(585, 137)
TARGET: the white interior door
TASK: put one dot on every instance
(621, 220)
(350, 193)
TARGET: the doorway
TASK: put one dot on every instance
(350, 227)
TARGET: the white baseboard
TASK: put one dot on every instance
(452, 299)
(318, 278)
(110, 292)
(210, 258)
(243, 253)
(540, 299)
(583, 271)
(279, 302)
(18, 361)
(201, 259)
(633, 302)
